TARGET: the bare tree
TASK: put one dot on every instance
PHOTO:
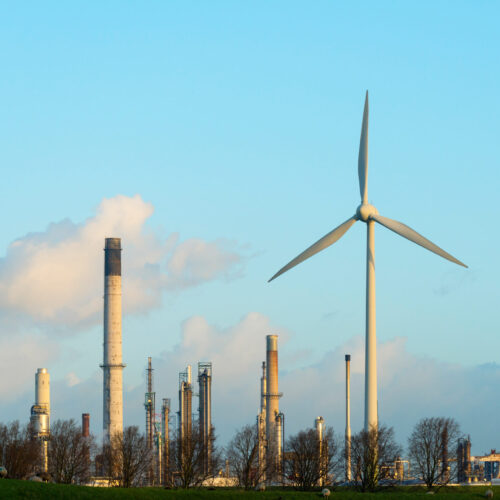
(310, 462)
(371, 454)
(18, 451)
(69, 452)
(188, 458)
(432, 447)
(243, 455)
(128, 457)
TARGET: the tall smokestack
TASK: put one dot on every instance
(205, 411)
(112, 364)
(348, 475)
(85, 424)
(40, 415)
(272, 400)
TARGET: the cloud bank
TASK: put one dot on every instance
(55, 277)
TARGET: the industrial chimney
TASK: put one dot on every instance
(205, 411)
(273, 418)
(348, 417)
(40, 415)
(112, 364)
(85, 424)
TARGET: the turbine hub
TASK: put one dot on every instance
(365, 211)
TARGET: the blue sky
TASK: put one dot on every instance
(239, 123)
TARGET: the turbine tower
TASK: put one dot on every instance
(368, 213)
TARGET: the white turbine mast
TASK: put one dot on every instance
(369, 214)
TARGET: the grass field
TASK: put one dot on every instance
(12, 489)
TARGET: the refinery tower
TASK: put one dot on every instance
(40, 416)
(112, 364)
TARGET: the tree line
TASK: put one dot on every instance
(307, 462)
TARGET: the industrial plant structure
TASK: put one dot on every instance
(165, 417)
(261, 425)
(205, 411)
(85, 424)
(185, 404)
(149, 405)
(112, 364)
(40, 416)
(271, 441)
(319, 424)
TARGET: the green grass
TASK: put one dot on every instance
(12, 489)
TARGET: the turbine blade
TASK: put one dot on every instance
(363, 155)
(410, 234)
(321, 244)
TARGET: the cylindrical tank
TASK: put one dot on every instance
(85, 424)
(42, 388)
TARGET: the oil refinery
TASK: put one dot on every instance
(169, 435)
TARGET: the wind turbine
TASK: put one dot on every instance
(368, 213)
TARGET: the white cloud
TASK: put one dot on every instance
(72, 379)
(56, 276)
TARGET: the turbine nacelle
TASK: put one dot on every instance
(365, 212)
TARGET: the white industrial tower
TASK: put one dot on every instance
(112, 365)
(40, 415)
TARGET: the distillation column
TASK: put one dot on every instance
(185, 404)
(112, 364)
(272, 404)
(165, 416)
(261, 425)
(205, 411)
(40, 415)
(149, 405)
(347, 417)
